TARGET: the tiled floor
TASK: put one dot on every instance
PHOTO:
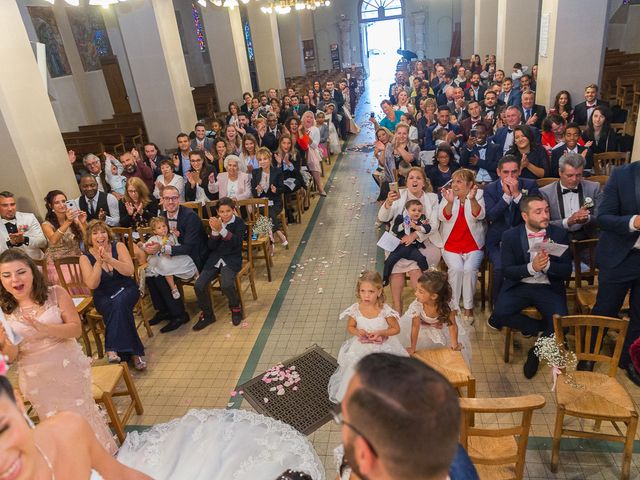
(312, 285)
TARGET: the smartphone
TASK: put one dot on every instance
(393, 187)
(373, 114)
(448, 184)
(473, 133)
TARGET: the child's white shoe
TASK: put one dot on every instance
(175, 293)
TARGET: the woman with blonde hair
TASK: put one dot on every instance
(233, 139)
(461, 212)
(107, 269)
(309, 141)
(418, 188)
(137, 206)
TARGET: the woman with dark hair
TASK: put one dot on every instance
(248, 159)
(562, 105)
(220, 151)
(42, 326)
(603, 138)
(197, 179)
(107, 269)
(64, 228)
(534, 161)
(232, 118)
(137, 206)
(440, 172)
(287, 160)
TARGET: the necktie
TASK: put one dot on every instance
(91, 208)
(540, 234)
(527, 114)
(569, 190)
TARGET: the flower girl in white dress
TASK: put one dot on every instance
(373, 325)
(429, 321)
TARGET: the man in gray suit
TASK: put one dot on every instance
(201, 141)
(573, 200)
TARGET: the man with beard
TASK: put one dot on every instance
(532, 277)
(475, 91)
(134, 166)
(390, 402)
(19, 229)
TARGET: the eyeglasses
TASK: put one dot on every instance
(336, 413)
(171, 199)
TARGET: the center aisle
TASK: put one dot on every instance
(338, 244)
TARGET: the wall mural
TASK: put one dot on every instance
(47, 31)
(90, 35)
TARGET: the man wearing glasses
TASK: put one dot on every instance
(391, 401)
(187, 227)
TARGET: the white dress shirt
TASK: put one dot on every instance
(536, 277)
(571, 202)
(113, 215)
(508, 141)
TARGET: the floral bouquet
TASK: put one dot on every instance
(558, 358)
(263, 226)
(588, 203)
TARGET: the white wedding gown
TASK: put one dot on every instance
(220, 445)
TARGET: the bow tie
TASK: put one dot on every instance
(540, 234)
(510, 130)
(591, 106)
(482, 147)
(569, 190)
(12, 222)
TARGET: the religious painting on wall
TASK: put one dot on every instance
(90, 35)
(47, 31)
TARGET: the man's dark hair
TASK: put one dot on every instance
(573, 125)
(180, 135)
(490, 92)
(200, 124)
(408, 412)
(7, 194)
(508, 159)
(444, 108)
(525, 201)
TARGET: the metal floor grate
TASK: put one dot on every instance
(306, 409)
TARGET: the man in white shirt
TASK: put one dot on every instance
(20, 230)
(532, 277)
(572, 199)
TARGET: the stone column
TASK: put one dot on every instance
(517, 39)
(559, 40)
(289, 29)
(345, 41)
(419, 20)
(228, 53)
(467, 28)
(34, 158)
(266, 42)
(150, 34)
(486, 24)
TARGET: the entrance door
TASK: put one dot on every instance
(115, 84)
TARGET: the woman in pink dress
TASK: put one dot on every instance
(54, 373)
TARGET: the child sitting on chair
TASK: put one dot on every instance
(410, 227)
(180, 266)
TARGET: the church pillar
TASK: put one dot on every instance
(485, 31)
(345, 40)
(560, 39)
(290, 32)
(150, 33)
(517, 37)
(266, 42)
(228, 53)
(468, 27)
(34, 158)
(419, 20)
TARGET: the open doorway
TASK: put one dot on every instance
(383, 39)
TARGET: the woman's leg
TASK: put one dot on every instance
(456, 273)
(472, 261)
(414, 275)
(318, 181)
(396, 280)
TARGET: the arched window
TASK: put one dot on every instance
(380, 9)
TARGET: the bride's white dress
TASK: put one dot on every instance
(220, 445)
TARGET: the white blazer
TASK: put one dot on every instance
(430, 210)
(37, 240)
(475, 224)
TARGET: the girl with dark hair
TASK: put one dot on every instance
(54, 373)
(603, 138)
(534, 161)
(422, 325)
(64, 228)
(562, 106)
(440, 172)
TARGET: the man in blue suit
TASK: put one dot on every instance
(480, 155)
(443, 122)
(501, 199)
(532, 279)
(193, 242)
(509, 94)
(504, 135)
(618, 251)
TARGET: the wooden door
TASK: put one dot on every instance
(115, 84)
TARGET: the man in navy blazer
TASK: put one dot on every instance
(510, 95)
(501, 199)
(193, 242)
(480, 155)
(571, 136)
(582, 111)
(504, 135)
(618, 251)
(532, 279)
(442, 122)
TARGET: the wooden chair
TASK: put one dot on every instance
(211, 208)
(295, 200)
(262, 243)
(104, 387)
(452, 366)
(245, 272)
(195, 206)
(498, 453)
(543, 182)
(603, 397)
(42, 266)
(124, 235)
(508, 332)
(601, 179)
(604, 163)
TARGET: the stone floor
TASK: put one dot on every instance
(311, 285)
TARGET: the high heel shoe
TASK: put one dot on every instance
(138, 363)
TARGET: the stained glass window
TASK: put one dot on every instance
(248, 41)
(197, 22)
